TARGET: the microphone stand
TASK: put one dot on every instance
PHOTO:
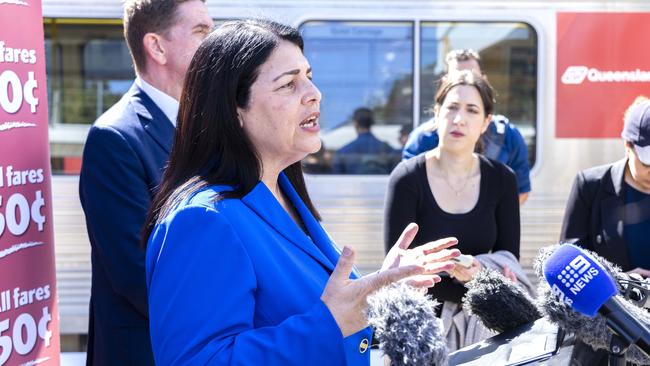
(617, 348)
(636, 291)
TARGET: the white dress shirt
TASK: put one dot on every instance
(166, 103)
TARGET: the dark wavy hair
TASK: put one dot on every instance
(469, 78)
(210, 146)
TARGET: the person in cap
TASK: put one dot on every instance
(609, 210)
(609, 207)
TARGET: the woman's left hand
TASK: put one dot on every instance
(433, 255)
(464, 274)
(507, 273)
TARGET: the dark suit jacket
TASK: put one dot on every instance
(595, 213)
(123, 159)
(595, 219)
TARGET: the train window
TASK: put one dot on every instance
(88, 69)
(107, 74)
(509, 59)
(363, 69)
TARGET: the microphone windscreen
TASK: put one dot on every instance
(592, 331)
(546, 252)
(500, 304)
(406, 326)
(578, 279)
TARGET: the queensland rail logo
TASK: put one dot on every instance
(14, 2)
(575, 75)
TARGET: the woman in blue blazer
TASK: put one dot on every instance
(239, 270)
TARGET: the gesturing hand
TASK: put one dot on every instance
(434, 256)
(346, 298)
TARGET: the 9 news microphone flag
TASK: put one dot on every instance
(29, 327)
(580, 281)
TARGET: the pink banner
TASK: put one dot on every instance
(29, 328)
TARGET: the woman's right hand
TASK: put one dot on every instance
(346, 298)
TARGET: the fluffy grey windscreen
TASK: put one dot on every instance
(406, 326)
(591, 331)
(499, 303)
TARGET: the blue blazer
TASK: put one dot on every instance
(237, 282)
(123, 160)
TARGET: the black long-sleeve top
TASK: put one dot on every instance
(493, 224)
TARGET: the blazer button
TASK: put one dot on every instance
(363, 346)
(599, 239)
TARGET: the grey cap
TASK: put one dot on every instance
(637, 130)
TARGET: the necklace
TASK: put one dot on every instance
(460, 190)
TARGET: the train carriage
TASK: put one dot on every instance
(383, 55)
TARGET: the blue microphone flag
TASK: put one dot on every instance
(577, 279)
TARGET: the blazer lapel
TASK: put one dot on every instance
(613, 219)
(612, 215)
(264, 204)
(153, 119)
(318, 234)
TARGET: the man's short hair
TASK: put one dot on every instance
(363, 117)
(466, 54)
(147, 16)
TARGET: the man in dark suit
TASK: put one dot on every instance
(123, 161)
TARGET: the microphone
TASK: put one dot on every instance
(580, 282)
(632, 286)
(499, 303)
(406, 326)
(591, 331)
